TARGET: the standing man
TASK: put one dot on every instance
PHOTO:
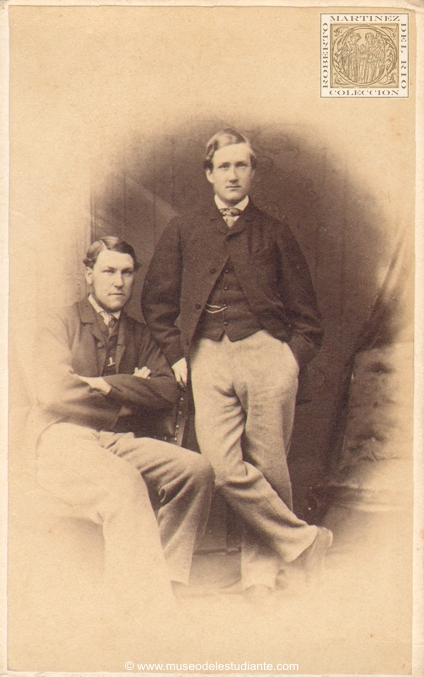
(101, 375)
(228, 294)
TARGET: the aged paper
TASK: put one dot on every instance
(109, 110)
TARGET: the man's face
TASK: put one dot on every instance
(111, 278)
(232, 173)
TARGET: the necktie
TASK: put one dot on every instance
(230, 214)
(112, 324)
(109, 320)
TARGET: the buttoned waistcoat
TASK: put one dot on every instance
(268, 262)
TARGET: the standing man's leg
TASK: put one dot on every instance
(221, 422)
(268, 397)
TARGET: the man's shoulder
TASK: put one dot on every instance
(81, 313)
(188, 220)
(266, 218)
(133, 324)
(197, 213)
(84, 309)
(64, 313)
(207, 211)
(136, 331)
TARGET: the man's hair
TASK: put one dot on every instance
(226, 137)
(114, 244)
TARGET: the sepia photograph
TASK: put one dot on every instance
(212, 353)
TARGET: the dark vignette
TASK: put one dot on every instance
(356, 261)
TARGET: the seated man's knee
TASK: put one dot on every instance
(199, 469)
(126, 484)
(221, 479)
(228, 477)
(204, 471)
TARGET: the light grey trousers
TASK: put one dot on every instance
(244, 394)
(113, 479)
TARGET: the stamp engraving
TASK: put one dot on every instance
(364, 55)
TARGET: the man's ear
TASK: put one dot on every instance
(209, 175)
(88, 275)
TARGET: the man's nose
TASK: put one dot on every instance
(118, 280)
(232, 174)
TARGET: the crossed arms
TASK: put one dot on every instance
(70, 385)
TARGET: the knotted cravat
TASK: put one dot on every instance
(230, 215)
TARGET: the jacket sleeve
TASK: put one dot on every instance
(59, 389)
(160, 299)
(298, 296)
(159, 391)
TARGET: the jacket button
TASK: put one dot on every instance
(198, 306)
(212, 271)
(99, 345)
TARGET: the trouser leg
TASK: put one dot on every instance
(259, 562)
(180, 484)
(268, 399)
(223, 374)
(105, 489)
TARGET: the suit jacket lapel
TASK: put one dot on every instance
(241, 246)
(123, 330)
(88, 317)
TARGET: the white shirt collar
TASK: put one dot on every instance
(240, 205)
(97, 307)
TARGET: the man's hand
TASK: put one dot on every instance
(180, 371)
(143, 372)
(97, 383)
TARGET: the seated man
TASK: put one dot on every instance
(100, 374)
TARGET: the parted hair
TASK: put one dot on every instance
(226, 137)
(114, 244)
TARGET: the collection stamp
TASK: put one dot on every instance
(364, 55)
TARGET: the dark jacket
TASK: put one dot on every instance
(71, 344)
(270, 267)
